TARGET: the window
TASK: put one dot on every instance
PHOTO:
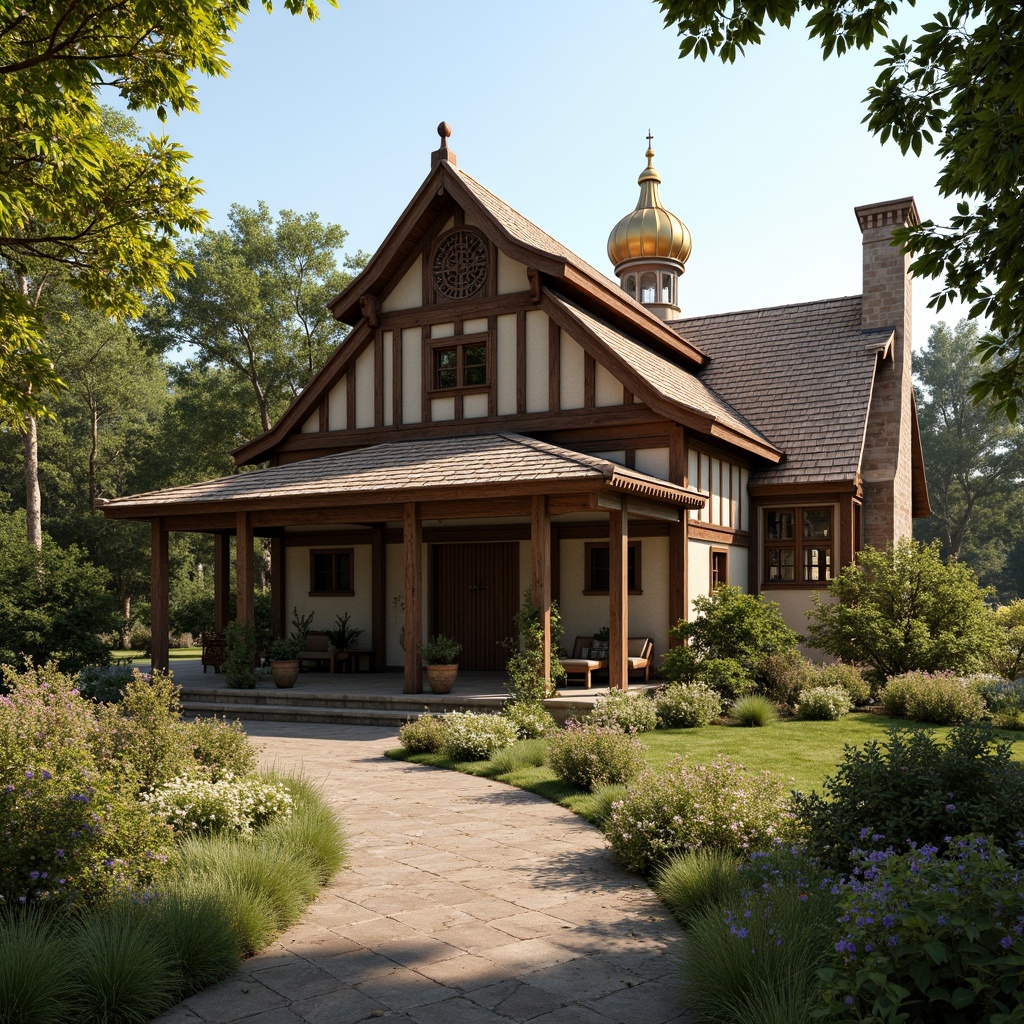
(459, 364)
(798, 545)
(719, 569)
(648, 288)
(666, 288)
(631, 286)
(331, 572)
(597, 568)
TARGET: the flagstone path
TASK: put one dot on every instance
(463, 901)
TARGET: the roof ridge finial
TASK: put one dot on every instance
(650, 150)
(443, 154)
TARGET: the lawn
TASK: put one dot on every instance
(176, 653)
(804, 753)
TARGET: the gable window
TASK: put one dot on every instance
(597, 568)
(798, 545)
(460, 366)
(331, 571)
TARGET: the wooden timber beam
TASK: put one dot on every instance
(412, 542)
(540, 536)
(244, 581)
(618, 590)
(159, 596)
(221, 581)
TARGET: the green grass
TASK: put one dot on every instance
(176, 653)
(802, 752)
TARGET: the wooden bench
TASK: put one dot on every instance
(214, 650)
(318, 651)
(580, 664)
(639, 653)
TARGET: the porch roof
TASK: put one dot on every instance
(434, 469)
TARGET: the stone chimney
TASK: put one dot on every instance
(886, 304)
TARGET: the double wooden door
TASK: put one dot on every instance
(475, 596)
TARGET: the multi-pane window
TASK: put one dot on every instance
(798, 545)
(460, 366)
(719, 569)
(598, 568)
(331, 571)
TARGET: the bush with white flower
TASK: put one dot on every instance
(240, 805)
(823, 703)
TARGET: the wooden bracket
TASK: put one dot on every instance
(533, 275)
(369, 306)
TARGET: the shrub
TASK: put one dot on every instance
(591, 755)
(240, 655)
(759, 960)
(1002, 694)
(780, 677)
(690, 806)
(929, 937)
(531, 719)
(231, 804)
(104, 684)
(911, 788)
(602, 799)
(824, 703)
(421, 735)
(849, 677)
(221, 747)
(467, 736)
(530, 753)
(1008, 659)
(525, 667)
(695, 881)
(903, 609)
(725, 675)
(729, 624)
(54, 603)
(942, 698)
(631, 712)
(753, 710)
(687, 706)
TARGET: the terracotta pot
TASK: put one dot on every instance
(284, 673)
(441, 678)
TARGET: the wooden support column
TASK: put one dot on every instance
(847, 547)
(677, 582)
(159, 588)
(412, 542)
(618, 597)
(243, 568)
(278, 605)
(221, 580)
(540, 539)
(378, 597)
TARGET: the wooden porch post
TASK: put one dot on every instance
(278, 583)
(243, 568)
(412, 543)
(847, 547)
(540, 538)
(618, 597)
(221, 580)
(159, 584)
(677, 583)
(378, 597)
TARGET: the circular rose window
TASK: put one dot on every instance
(460, 264)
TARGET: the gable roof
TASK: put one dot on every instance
(802, 375)
(665, 386)
(406, 471)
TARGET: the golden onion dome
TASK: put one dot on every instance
(650, 231)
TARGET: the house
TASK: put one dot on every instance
(502, 416)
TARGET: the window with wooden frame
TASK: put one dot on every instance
(597, 568)
(719, 568)
(798, 545)
(459, 364)
(331, 571)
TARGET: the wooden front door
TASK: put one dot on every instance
(475, 596)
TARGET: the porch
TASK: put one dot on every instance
(360, 698)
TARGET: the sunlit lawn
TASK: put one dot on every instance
(176, 652)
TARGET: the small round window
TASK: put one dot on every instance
(460, 264)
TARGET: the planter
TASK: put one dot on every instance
(284, 673)
(441, 678)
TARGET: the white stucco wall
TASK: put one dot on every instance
(654, 462)
(511, 275)
(607, 389)
(364, 388)
(408, 293)
(412, 380)
(506, 368)
(337, 405)
(537, 366)
(570, 374)
(326, 608)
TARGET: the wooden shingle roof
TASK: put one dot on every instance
(802, 375)
(407, 471)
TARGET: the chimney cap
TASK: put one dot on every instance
(891, 213)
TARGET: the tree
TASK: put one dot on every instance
(904, 609)
(77, 195)
(255, 308)
(959, 84)
(975, 462)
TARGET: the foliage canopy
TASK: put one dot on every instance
(959, 85)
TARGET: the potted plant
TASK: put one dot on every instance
(439, 654)
(284, 660)
(342, 636)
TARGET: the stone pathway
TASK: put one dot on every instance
(463, 901)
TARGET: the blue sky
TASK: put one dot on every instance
(550, 103)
